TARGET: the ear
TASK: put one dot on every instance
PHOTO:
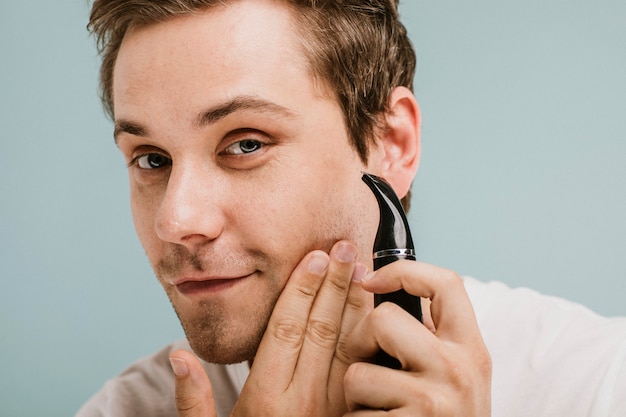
(398, 148)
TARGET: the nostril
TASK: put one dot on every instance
(194, 239)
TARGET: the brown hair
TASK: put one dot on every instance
(358, 48)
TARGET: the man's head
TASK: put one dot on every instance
(246, 125)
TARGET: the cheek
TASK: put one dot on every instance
(144, 210)
(342, 208)
(312, 213)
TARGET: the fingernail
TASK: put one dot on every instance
(359, 272)
(179, 367)
(346, 252)
(318, 263)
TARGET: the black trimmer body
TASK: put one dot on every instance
(393, 242)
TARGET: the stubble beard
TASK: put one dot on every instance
(216, 336)
(217, 331)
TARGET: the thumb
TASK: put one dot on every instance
(194, 394)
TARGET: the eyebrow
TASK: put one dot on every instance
(212, 115)
(126, 126)
(220, 111)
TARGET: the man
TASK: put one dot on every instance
(246, 126)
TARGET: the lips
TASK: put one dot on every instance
(201, 286)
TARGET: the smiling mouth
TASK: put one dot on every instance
(211, 286)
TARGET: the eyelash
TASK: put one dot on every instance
(136, 160)
(165, 161)
(257, 146)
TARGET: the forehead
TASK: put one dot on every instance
(244, 39)
(245, 26)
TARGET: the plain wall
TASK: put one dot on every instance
(523, 179)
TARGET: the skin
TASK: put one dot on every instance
(242, 178)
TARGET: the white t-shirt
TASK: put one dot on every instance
(550, 357)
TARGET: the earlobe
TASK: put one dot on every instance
(400, 141)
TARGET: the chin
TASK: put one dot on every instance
(221, 353)
(217, 337)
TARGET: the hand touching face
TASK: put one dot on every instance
(446, 369)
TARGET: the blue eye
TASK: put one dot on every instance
(243, 147)
(152, 161)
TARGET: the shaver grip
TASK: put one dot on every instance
(393, 242)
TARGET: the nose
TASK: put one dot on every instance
(190, 212)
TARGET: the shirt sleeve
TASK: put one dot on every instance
(618, 393)
(551, 357)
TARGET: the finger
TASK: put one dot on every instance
(364, 387)
(377, 388)
(451, 309)
(194, 393)
(280, 346)
(324, 321)
(395, 331)
(358, 304)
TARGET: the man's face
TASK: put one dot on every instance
(239, 165)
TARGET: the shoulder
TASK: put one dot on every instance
(547, 351)
(503, 311)
(146, 388)
(142, 389)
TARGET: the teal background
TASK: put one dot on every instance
(523, 179)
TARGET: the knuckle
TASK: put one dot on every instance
(185, 404)
(306, 289)
(383, 314)
(358, 301)
(451, 278)
(323, 333)
(429, 405)
(438, 402)
(431, 402)
(288, 332)
(338, 283)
